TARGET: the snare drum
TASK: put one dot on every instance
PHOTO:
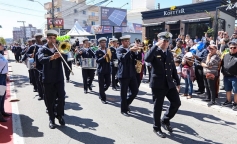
(88, 63)
(115, 62)
(30, 63)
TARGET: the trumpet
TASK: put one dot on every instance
(64, 48)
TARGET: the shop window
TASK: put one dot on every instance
(84, 12)
(152, 31)
(92, 23)
(196, 29)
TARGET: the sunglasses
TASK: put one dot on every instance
(232, 47)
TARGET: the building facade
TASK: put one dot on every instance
(72, 11)
(193, 19)
(24, 32)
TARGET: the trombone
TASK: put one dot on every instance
(64, 48)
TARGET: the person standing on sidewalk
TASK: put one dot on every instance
(229, 70)
(162, 85)
(3, 81)
(210, 70)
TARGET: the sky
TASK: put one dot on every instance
(12, 11)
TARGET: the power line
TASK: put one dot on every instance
(20, 7)
(20, 12)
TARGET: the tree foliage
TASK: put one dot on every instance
(2, 41)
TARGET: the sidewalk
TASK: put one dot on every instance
(197, 99)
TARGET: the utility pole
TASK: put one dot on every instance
(53, 13)
(24, 30)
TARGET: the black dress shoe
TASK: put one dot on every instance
(199, 92)
(207, 100)
(129, 110)
(60, 120)
(52, 125)
(67, 81)
(90, 88)
(85, 92)
(167, 127)
(211, 103)
(159, 133)
(6, 114)
(40, 98)
(2, 118)
(125, 114)
(104, 101)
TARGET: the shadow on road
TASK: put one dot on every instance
(85, 137)
(73, 106)
(30, 131)
(81, 122)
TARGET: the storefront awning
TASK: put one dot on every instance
(196, 20)
(171, 22)
(152, 24)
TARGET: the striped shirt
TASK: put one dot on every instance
(213, 65)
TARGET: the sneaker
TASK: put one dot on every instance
(234, 107)
(226, 103)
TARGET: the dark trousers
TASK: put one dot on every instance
(199, 78)
(138, 77)
(149, 72)
(210, 85)
(113, 73)
(33, 79)
(159, 96)
(2, 97)
(17, 57)
(66, 70)
(38, 83)
(104, 83)
(54, 91)
(87, 73)
(130, 83)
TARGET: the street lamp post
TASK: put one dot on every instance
(37, 2)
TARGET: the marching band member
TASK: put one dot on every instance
(113, 43)
(103, 69)
(127, 73)
(162, 74)
(25, 56)
(85, 52)
(44, 40)
(53, 79)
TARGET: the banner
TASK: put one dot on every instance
(58, 23)
(113, 17)
(97, 29)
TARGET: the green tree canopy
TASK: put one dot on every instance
(2, 41)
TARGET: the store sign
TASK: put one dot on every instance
(58, 23)
(174, 11)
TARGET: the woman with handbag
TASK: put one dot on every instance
(3, 79)
(210, 66)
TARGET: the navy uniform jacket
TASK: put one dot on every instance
(86, 53)
(18, 50)
(114, 56)
(103, 65)
(52, 69)
(162, 71)
(126, 62)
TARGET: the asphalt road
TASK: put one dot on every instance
(91, 122)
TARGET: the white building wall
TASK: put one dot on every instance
(135, 17)
(229, 20)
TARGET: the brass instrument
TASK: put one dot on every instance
(138, 66)
(64, 48)
(109, 55)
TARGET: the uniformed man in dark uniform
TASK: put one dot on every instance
(103, 69)
(30, 53)
(44, 40)
(113, 69)
(17, 52)
(25, 56)
(38, 67)
(87, 74)
(53, 78)
(127, 73)
(162, 75)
